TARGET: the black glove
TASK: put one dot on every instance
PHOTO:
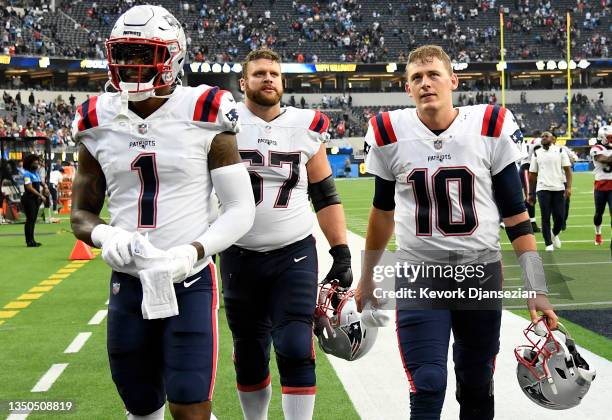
(341, 268)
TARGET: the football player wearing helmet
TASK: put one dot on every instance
(155, 146)
(601, 153)
(468, 156)
(550, 370)
(276, 261)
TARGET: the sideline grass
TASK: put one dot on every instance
(35, 338)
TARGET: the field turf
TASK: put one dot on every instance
(45, 301)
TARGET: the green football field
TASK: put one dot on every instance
(46, 302)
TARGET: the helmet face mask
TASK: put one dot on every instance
(550, 370)
(146, 51)
(145, 64)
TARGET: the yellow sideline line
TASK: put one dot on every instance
(39, 290)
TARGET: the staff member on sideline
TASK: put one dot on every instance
(36, 192)
(548, 164)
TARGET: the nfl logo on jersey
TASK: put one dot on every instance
(116, 287)
(438, 144)
(143, 128)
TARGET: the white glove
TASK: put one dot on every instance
(115, 243)
(182, 260)
(372, 316)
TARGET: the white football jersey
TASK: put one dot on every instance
(276, 154)
(602, 171)
(156, 169)
(443, 192)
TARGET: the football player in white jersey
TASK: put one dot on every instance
(157, 149)
(602, 162)
(439, 173)
(573, 157)
(270, 275)
(527, 148)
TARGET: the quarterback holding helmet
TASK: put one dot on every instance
(602, 161)
(441, 174)
(156, 147)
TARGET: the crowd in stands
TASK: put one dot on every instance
(20, 117)
(311, 31)
(36, 118)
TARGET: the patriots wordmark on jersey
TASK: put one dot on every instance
(276, 153)
(156, 168)
(602, 171)
(443, 191)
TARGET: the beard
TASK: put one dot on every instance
(262, 99)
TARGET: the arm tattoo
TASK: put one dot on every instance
(223, 151)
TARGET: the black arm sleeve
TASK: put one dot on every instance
(384, 194)
(508, 191)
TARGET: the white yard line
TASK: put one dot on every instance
(576, 241)
(573, 263)
(50, 377)
(378, 387)
(559, 305)
(20, 416)
(78, 342)
(98, 317)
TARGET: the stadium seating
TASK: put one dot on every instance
(345, 30)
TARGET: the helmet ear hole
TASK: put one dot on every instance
(561, 373)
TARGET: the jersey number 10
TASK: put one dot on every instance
(441, 181)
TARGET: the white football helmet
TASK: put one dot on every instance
(604, 134)
(146, 50)
(340, 329)
(550, 370)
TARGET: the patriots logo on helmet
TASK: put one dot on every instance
(517, 136)
(354, 334)
(232, 115)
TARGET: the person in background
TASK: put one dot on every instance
(547, 167)
(36, 192)
(55, 177)
(573, 158)
(601, 153)
(347, 168)
(528, 147)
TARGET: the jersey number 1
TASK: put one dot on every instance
(441, 181)
(277, 159)
(146, 166)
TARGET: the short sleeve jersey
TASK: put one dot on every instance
(276, 154)
(443, 192)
